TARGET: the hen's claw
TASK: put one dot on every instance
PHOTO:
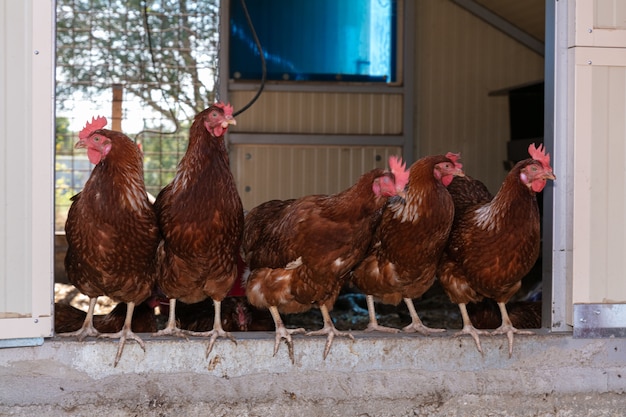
(284, 333)
(82, 333)
(507, 327)
(87, 328)
(468, 328)
(123, 335)
(328, 329)
(214, 334)
(474, 332)
(172, 329)
(421, 329)
(509, 330)
(375, 327)
(331, 331)
(416, 324)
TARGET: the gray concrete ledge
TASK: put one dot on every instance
(376, 375)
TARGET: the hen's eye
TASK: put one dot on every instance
(96, 138)
(214, 114)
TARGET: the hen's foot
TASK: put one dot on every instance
(82, 333)
(509, 330)
(474, 332)
(123, 335)
(331, 331)
(172, 331)
(213, 334)
(421, 329)
(283, 333)
(375, 327)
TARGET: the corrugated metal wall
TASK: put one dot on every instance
(268, 172)
(321, 113)
(459, 60)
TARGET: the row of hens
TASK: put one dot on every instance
(391, 234)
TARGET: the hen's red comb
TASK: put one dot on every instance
(398, 169)
(454, 157)
(539, 154)
(228, 109)
(92, 126)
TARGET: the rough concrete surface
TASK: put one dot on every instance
(377, 375)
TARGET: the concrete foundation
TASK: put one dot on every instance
(388, 375)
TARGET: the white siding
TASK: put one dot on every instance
(26, 149)
(598, 116)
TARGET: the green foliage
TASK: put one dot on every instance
(170, 63)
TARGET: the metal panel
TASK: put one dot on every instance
(599, 320)
(558, 207)
(266, 172)
(26, 178)
(320, 113)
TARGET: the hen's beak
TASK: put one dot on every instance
(81, 144)
(229, 120)
(549, 176)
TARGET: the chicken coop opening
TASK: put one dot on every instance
(150, 67)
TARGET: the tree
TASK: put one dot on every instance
(162, 51)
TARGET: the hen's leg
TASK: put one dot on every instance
(171, 329)
(507, 327)
(328, 329)
(283, 333)
(218, 330)
(416, 324)
(87, 328)
(125, 333)
(373, 324)
(468, 327)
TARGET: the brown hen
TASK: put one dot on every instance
(111, 230)
(409, 241)
(300, 252)
(201, 219)
(494, 242)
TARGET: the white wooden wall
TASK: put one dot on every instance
(26, 168)
(598, 125)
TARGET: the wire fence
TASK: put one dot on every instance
(147, 66)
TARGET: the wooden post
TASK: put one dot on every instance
(116, 114)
